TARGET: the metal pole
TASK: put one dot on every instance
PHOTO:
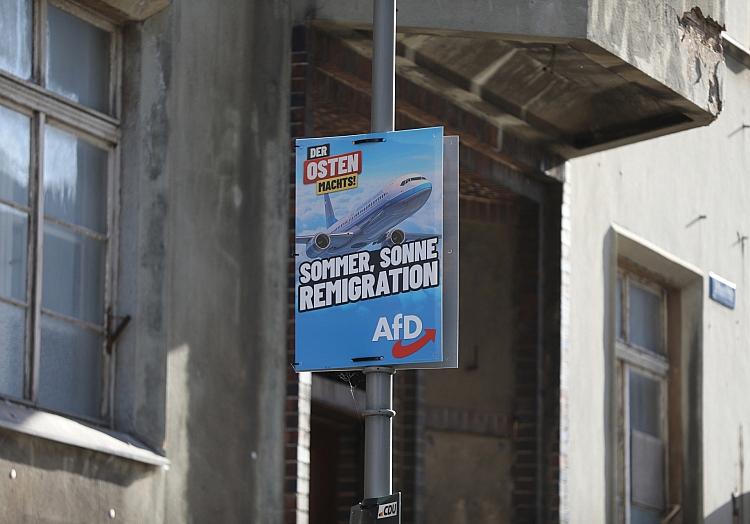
(383, 65)
(379, 432)
(379, 407)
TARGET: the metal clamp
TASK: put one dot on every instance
(114, 332)
(378, 369)
(379, 413)
(369, 140)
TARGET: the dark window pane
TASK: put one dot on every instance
(14, 155)
(645, 318)
(78, 59)
(647, 471)
(618, 309)
(13, 245)
(645, 404)
(644, 516)
(75, 180)
(12, 336)
(15, 37)
(70, 368)
(73, 274)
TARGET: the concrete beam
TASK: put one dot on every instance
(588, 74)
(128, 10)
(664, 45)
(552, 18)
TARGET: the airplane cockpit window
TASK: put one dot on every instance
(404, 182)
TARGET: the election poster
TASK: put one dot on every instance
(369, 250)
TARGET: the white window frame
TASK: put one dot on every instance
(631, 357)
(44, 107)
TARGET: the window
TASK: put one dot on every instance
(412, 179)
(642, 383)
(59, 74)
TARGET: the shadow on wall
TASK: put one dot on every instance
(735, 511)
(18, 449)
(609, 268)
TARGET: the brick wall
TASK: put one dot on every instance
(526, 410)
(349, 470)
(408, 435)
(298, 391)
(558, 455)
(331, 96)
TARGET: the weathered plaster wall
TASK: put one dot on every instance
(488, 318)
(140, 407)
(204, 217)
(227, 164)
(468, 475)
(43, 482)
(660, 38)
(657, 190)
(738, 20)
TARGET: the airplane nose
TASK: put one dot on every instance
(424, 190)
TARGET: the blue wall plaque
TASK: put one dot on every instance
(722, 290)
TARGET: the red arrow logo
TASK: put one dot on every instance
(401, 351)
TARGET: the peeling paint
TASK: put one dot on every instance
(714, 89)
(708, 30)
(701, 38)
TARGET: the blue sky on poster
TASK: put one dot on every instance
(381, 162)
(329, 338)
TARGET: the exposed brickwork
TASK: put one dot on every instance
(337, 89)
(298, 391)
(349, 473)
(526, 411)
(408, 437)
(563, 311)
(336, 470)
(312, 115)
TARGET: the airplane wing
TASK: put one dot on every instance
(304, 239)
(419, 236)
(409, 237)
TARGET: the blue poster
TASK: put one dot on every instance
(369, 250)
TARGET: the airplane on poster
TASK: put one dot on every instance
(372, 222)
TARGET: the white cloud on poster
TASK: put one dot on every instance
(310, 207)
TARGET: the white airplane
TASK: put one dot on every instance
(373, 222)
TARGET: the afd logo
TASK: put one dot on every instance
(387, 510)
(411, 325)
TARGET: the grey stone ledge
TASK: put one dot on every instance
(127, 10)
(41, 424)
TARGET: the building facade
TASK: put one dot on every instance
(146, 284)
(147, 127)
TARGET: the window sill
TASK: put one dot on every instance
(22, 419)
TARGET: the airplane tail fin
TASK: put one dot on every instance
(330, 217)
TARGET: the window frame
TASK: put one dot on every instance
(46, 108)
(630, 357)
(686, 286)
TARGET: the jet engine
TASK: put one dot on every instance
(395, 237)
(318, 245)
(322, 241)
